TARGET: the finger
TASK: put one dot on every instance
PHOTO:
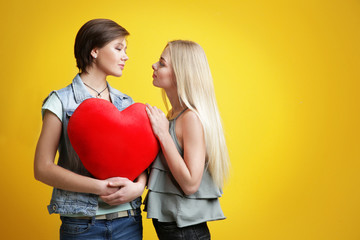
(154, 112)
(114, 179)
(158, 111)
(110, 197)
(105, 199)
(114, 199)
(118, 182)
(161, 112)
(110, 202)
(150, 109)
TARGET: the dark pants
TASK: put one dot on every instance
(169, 231)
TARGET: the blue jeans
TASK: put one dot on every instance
(169, 231)
(125, 228)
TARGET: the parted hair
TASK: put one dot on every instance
(196, 91)
(95, 33)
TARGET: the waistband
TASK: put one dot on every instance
(112, 216)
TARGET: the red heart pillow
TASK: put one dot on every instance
(111, 143)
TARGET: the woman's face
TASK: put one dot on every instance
(163, 76)
(111, 58)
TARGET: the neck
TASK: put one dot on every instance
(176, 107)
(94, 78)
(96, 85)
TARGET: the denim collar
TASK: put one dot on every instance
(81, 93)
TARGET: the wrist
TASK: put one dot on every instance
(99, 187)
(140, 186)
(163, 137)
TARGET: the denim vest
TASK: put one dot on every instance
(66, 202)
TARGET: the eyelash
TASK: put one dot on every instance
(161, 64)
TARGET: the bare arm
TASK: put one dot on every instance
(46, 171)
(187, 171)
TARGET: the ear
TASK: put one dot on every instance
(94, 53)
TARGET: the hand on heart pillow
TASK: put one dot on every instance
(111, 143)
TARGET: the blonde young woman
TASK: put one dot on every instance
(187, 176)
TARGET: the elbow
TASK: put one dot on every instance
(191, 186)
(191, 189)
(39, 173)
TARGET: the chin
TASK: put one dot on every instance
(117, 74)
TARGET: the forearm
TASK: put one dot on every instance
(177, 165)
(46, 171)
(141, 182)
(58, 177)
(186, 170)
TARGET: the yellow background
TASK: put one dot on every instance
(287, 82)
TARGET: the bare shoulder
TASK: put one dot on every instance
(189, 129)
(191, 121)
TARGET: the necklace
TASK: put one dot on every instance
(98, 93)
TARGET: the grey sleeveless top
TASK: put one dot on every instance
(166, 201)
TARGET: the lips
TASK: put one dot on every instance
(122, 66)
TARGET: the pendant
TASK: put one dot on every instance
(98, 96)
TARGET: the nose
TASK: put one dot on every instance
(154, 66)
(125, 57)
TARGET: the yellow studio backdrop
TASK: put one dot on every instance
(286, 76)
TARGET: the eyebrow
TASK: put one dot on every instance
(121, 44)
(162, 59)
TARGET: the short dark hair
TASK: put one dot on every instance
(95, 33)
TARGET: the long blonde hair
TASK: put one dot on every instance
(196, 91)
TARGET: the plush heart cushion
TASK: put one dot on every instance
(111, 143)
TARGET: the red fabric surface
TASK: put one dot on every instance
(111, 143)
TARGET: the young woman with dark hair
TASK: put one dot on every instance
(89, 208)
